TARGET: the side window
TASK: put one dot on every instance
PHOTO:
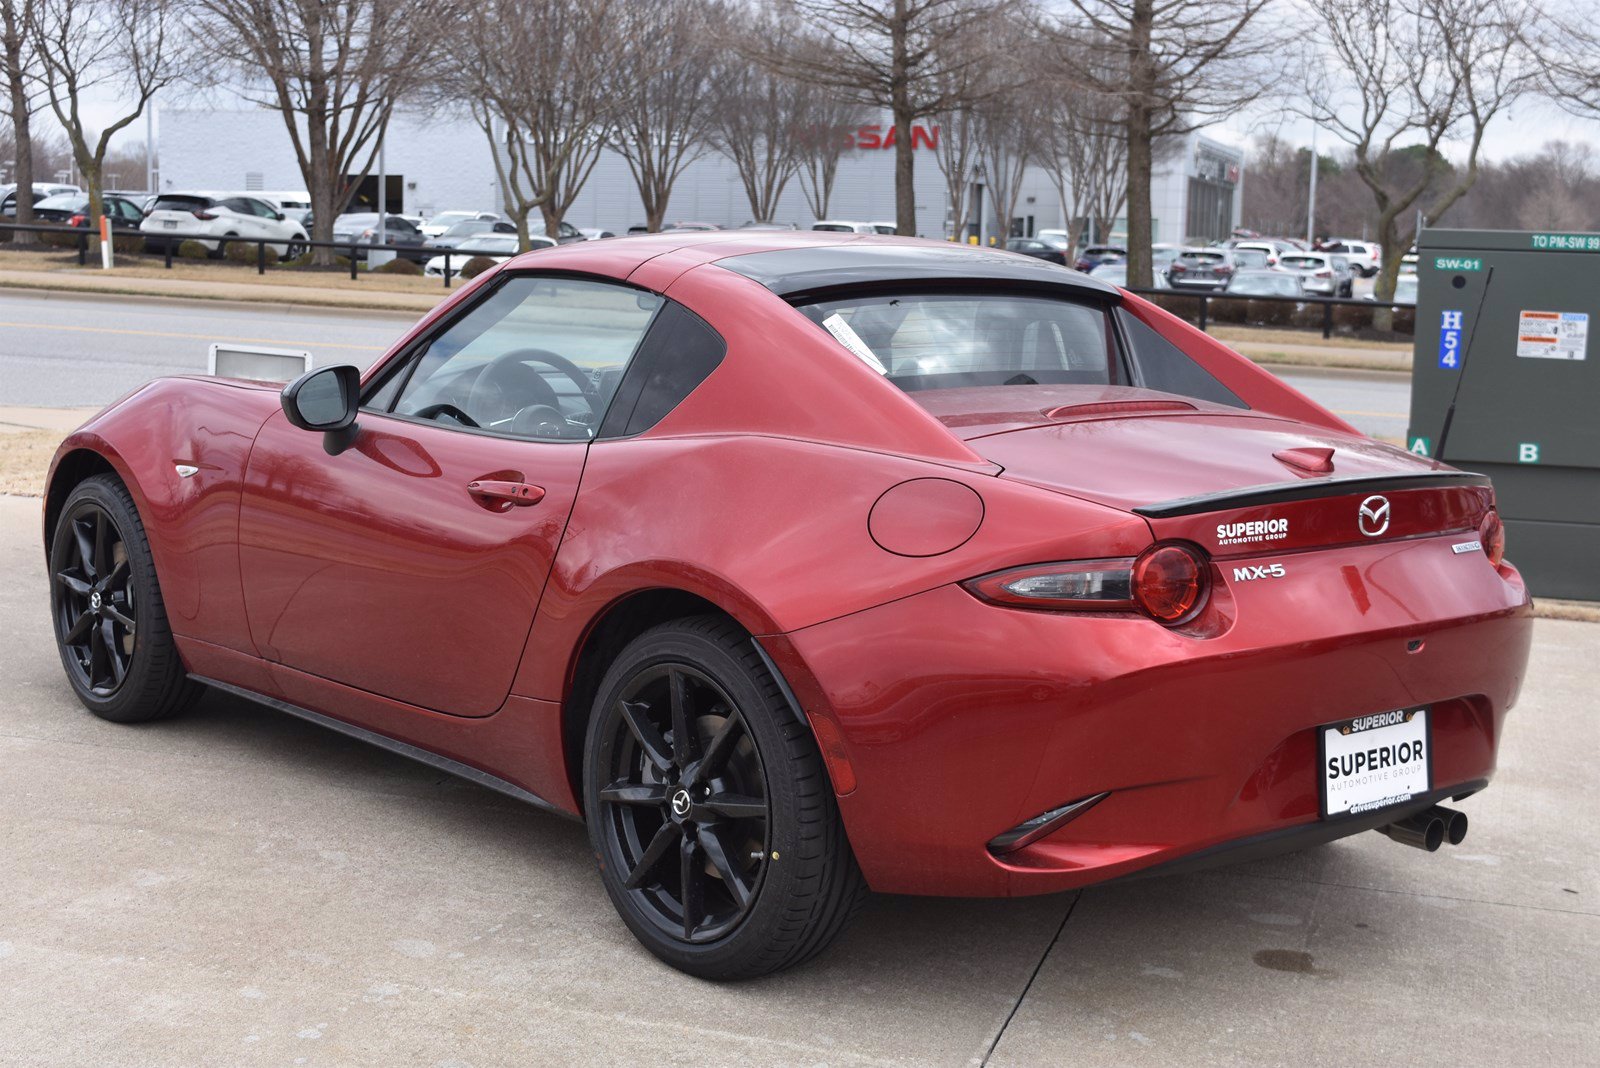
(540, 357)
(235, 204)
(679, 354)
(1164, 366)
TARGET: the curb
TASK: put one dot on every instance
(410, 305)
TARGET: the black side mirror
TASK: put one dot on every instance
(325, 399)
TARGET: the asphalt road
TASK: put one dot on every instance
(239, 887)
(57, 350)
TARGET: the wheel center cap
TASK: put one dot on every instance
(94, 601)
(681, 803)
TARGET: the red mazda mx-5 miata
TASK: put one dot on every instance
(798, 564)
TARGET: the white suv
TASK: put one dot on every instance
(177, 217)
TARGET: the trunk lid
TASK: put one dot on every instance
(1233, 481)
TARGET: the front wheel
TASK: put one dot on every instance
(709, 809)
(294, 249)
(110, 622)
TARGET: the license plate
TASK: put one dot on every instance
(1375, 761)
(170, 224)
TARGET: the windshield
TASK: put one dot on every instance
(945, 341)
(472, 226)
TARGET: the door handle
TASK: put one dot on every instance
(516, 493)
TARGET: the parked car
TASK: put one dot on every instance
(1093, 256)
(842, 226)
(1263, 283)
(468, 228)
(1115, 273)
(72, 209)
(757, 224)
(1252, 259)
(1040, 629)
(177, 217)
(593, 233)
(690, 226)
(881, 227)
(439, 222)
(1161, 256)
(1322, 274)
(1201, 268)
(1405, 290)
(41, 190)
(490, 246)
(1268, 251)
(361, 228)
(1038, 249)
(1365, 256)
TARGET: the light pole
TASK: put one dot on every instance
(1311, 206)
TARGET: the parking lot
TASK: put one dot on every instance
(240, 887)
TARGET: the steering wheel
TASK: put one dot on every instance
(445, 408)
(507, 384)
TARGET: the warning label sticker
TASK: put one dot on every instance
(1553, 335)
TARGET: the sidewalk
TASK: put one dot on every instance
(324, 291)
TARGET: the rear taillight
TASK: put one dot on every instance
(78, 220)
(206, 215)
(1324, 274)
(1176, 268)
(1085, 585)
(1168, 583)
(1224, 269)
(1492, 536)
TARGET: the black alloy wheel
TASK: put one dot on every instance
(709, 808)
(95, 604)
(686, 809)
(110, 621)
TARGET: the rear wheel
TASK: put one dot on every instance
(709, 808)
(110, 622)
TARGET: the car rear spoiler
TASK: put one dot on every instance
(1306, 489)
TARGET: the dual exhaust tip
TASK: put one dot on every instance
(1429, 829)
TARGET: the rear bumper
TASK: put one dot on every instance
(947, 721)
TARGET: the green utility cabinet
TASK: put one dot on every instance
(1508, 323)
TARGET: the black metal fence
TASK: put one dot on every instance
(83, 237)
(1203, 297)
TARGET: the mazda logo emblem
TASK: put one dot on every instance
(1374, 516)
(680, 803)
(94, 601)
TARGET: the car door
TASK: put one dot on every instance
(411, 563)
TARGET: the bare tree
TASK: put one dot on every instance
(666, 119)
(1416, 74)
(758, 109)
(1176, 66)
(540, 77)
(1008, 138)
(16, 64)
(957, 157)
(902, 55)
(334, 70)
(130, 48)
(820, 143)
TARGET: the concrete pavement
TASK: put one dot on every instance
(239, 887)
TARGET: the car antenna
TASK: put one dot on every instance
(1461, 373)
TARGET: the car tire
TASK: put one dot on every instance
(723, 850)
(222, 248)
(295, 248)
(109, 619)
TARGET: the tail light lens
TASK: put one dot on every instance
(1224, 269)
(1176, 268)
(1168, 583)
(1085, 585)
(206, 215)
(1324, 274)
(78, 220)
(1492, 535)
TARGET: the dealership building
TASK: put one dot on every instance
(441, 163)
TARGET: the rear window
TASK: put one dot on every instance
(181, 203)
(1202, 257)
(1250, 258)
(1302, 262)
(952, 340)
(834, 228)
